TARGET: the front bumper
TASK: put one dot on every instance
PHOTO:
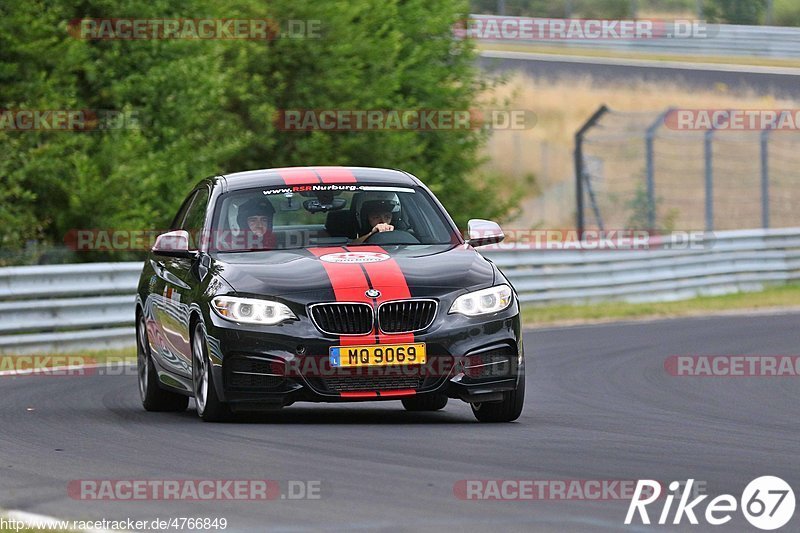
(471, 358)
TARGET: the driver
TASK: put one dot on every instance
(255, 220)
(376, 213)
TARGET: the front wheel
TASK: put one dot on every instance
(153, 397)
(207, 403)
(506, 410)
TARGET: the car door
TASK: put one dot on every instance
(181, 285)
(161, 290)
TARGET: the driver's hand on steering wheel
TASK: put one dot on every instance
(381, 227)
(378, 228)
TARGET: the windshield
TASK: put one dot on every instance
(305, 216)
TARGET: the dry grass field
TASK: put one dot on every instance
(617, 148)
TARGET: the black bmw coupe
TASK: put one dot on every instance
(325, 284)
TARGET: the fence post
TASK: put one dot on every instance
(765, 177)
(651, 180)
(709, 161)
(580, 222)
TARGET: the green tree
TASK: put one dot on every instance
(206, 107)
(787, 13)
(735, 11)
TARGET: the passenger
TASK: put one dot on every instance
(255, 218)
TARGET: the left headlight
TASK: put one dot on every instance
(251, 310)
(484, 301)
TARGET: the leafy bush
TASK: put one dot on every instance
(735, 11)
(207, 107)
(787, 13)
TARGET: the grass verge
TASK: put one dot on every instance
(782, 297)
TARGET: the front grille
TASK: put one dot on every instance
(343, 318)
(251, 373)
(370, 383)
(406, 315)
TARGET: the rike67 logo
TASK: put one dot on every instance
(767, 503)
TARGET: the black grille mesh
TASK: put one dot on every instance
(343, 318)
(371, 383)
(408, 315)
(242, 373)
(492, 364)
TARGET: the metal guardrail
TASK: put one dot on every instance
(67, 307)
(46, 309)
(722, 40)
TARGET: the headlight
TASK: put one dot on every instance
(251, 310)
(484, 301)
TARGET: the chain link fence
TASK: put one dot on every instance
(635, 170)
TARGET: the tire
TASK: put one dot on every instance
(429, 402)
(153, 397)
(506, 410)
(206, 400)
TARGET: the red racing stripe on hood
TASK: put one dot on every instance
(388, 278)
(349, 285)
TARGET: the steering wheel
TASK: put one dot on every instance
(392, 237)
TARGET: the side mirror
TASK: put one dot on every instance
(173, 244)
(483, 232)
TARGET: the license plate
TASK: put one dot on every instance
(378, 355)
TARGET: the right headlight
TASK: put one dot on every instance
(484, 301)
(251, 310)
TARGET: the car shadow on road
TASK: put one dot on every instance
(353, 415)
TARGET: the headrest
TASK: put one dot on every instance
(341, 224)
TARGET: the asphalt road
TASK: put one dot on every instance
(782, 82)
(600, 406)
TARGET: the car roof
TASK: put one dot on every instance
(275, 177)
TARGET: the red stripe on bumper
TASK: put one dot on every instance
(402, 392)
(358, 394)
(335, 175)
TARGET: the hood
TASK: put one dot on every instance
(323, 273)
